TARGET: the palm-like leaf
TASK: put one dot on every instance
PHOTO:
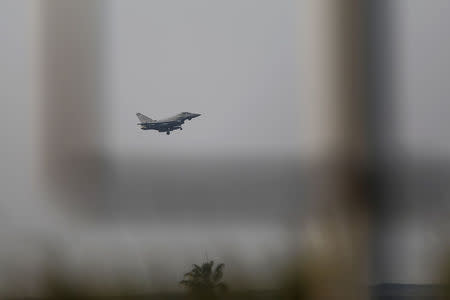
(204, 278)
(218, 273)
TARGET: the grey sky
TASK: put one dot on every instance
(233, 61)
(422, 70)
(237, 63)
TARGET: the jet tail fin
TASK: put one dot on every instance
(143, 118)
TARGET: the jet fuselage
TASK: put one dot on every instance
(165, 125)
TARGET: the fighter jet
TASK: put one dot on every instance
(165, 125)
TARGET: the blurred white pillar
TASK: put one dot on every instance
(73, 70)
(334, 80)
(335, 95)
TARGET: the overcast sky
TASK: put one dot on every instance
(237, 63)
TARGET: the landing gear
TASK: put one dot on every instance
(181, 128)
(168, 132)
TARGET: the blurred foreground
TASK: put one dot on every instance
(316, 172)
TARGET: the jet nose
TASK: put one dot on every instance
(196, 115)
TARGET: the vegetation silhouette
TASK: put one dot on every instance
(205, 281)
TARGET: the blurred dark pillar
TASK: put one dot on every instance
(362, 165)
(380, 115)
(73, 65)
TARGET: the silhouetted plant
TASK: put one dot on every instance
(205, 280)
